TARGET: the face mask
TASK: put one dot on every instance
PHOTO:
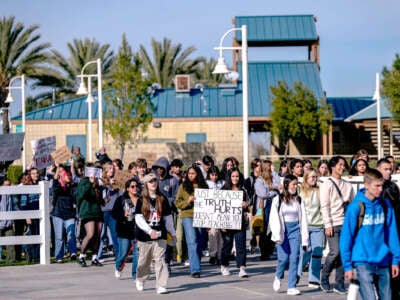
(292, 192)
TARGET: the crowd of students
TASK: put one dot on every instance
(292, 214)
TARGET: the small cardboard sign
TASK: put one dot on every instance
(93, 172)
(61, 154)
(120, 178)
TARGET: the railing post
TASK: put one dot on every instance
(44, 223)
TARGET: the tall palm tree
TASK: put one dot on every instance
(81, 51)
(168, 60)
(20, 53)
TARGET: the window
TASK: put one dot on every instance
(196, 137)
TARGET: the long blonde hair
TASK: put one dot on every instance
(306, 188)
(266, 172)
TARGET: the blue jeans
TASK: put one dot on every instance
(289, 252)
(59, 226)
(123, 249)
(192, 235)
(368, 274)
(109, 222)
(314, 255)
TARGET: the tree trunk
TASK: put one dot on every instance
(121, 151)
(6, 124)
(286, 149)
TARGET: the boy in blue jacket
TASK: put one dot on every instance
(372, 248)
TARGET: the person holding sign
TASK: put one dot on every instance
(153, 220)
(288, 224)
(185, 203)
(234, 181)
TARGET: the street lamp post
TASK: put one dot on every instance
(10, 100)
(84, 91)
(221, 68)
(377, 97)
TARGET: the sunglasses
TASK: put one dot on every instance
(133, 186)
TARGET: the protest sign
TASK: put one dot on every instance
(42, 149)
(219, 209)
(95, 172)
(120, 177)
(61, 154)
(11, 146)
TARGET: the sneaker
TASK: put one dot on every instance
(276, 286)
(187, 263)
(139, 285)
(293, 292)
(325, 286)
(95, 262)
(195, 275)
(59, 261)
(101, 260)
(314, 285)
(225, 271)
(82, 262)
(117, 274)
(162, 290)
(339, 289)
(242, 272)
(73, 256)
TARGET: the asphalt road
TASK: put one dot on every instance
(70, 281)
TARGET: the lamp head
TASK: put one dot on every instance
(221, 67)
(90, 98)
(10, 98)
(82, 90)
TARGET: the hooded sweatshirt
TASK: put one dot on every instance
(168, 184)
(376, 242)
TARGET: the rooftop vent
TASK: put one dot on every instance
(182, 83)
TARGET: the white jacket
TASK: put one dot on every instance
(277, 226)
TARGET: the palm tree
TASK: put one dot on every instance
(20, 53)
(168, 61)
(81, 52)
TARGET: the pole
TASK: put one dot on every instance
(245, 103)
(100, 102)
(378, 115)
(23, 121)
(89, 100)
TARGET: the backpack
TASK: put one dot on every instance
(362, 214)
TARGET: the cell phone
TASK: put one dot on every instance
(158, 233)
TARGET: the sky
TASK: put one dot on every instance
(357, 37)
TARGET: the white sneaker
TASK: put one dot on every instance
(187, 263)
(242, 272)
(139, 285)
(162, 290)
(225, 271)
(277, 285)
(293, 292)
(117, 274)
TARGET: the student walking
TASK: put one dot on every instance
(335, 194)
(288, 223)
(153, 220)
(234, 182)
(369, 242)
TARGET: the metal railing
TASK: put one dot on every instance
(42, 213)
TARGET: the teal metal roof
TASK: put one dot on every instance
(278, 30)
(210, 102)
(344, 107)
(370, 113)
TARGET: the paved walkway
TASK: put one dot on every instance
(70, 281)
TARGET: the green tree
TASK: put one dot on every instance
(129, 111)
(297, 113)
(168, 60)
(20, 53)
(391, 87)
(81, 51)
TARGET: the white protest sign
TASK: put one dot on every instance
(357, 182)
(219, 209)
(93, 172)
(42, 149)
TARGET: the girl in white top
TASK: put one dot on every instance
(288, 224)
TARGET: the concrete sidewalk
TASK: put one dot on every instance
(70, 281)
